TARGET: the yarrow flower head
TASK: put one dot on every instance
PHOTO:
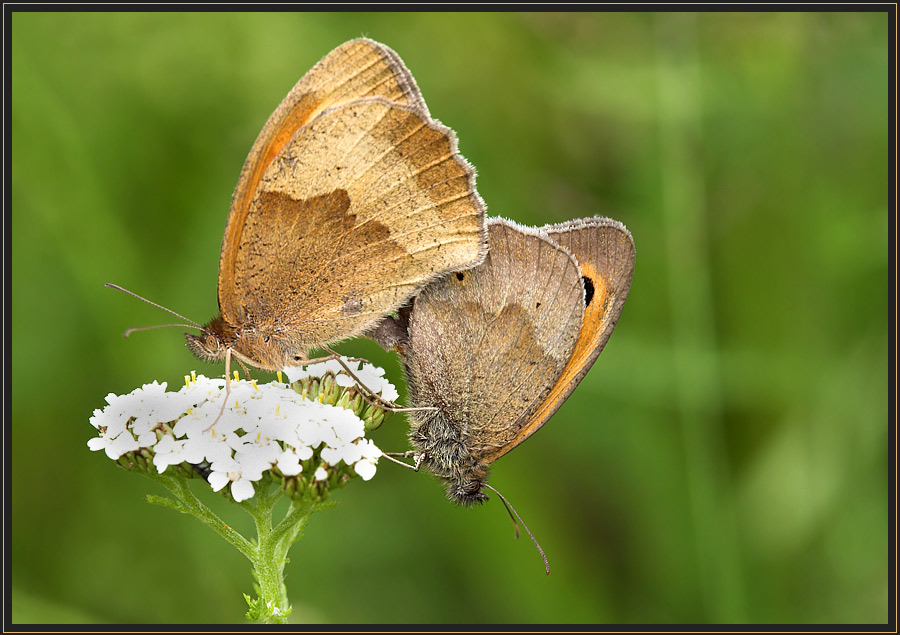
(308, 436)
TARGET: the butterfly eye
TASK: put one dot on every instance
(211, 343)
(297, 358)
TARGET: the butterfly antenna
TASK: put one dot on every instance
(158, 306)
(514, 515)
(160, 326)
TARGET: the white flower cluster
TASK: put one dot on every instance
(261, 427)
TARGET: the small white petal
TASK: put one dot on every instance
(330, 455)
(320, 474)
(192, 452)
(242, 490)
(251, 466)
(218, 480)
(122, 444)
(97, 443)
(98, 419)
(295, 373)
(147, 439)
(369, 449)
(167, 452)
(226, 465)
(366, 469)
(347, 427)
(289, 463)
(344, 380)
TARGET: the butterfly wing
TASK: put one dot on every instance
(604, 249)
(364, 206)
(487, 345)
(605, 253)
(356, 69)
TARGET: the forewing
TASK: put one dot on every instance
(357, 69)
(365, 205)
(487, 345)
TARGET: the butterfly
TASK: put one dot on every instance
(495, 350)
(351, 200)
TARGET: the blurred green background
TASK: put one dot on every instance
(726, 460)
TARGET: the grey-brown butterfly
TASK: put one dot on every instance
(497, 349)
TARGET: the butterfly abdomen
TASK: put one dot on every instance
(444, 445)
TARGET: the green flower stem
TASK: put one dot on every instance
(290, 529)
(187, 503)
(268, 561)
(268, 554)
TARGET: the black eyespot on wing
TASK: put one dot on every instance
(459, 275)
(588, 290)
(537, 306)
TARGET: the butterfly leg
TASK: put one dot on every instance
(403, 455)
(406, 455)
(227, 386)
(369, 395)
(390, 457)
(319, 360)
(244, 366)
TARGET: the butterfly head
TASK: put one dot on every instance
(258, 347)
(213, 341)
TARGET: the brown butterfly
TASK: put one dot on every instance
(497, 349)
(352, 199)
